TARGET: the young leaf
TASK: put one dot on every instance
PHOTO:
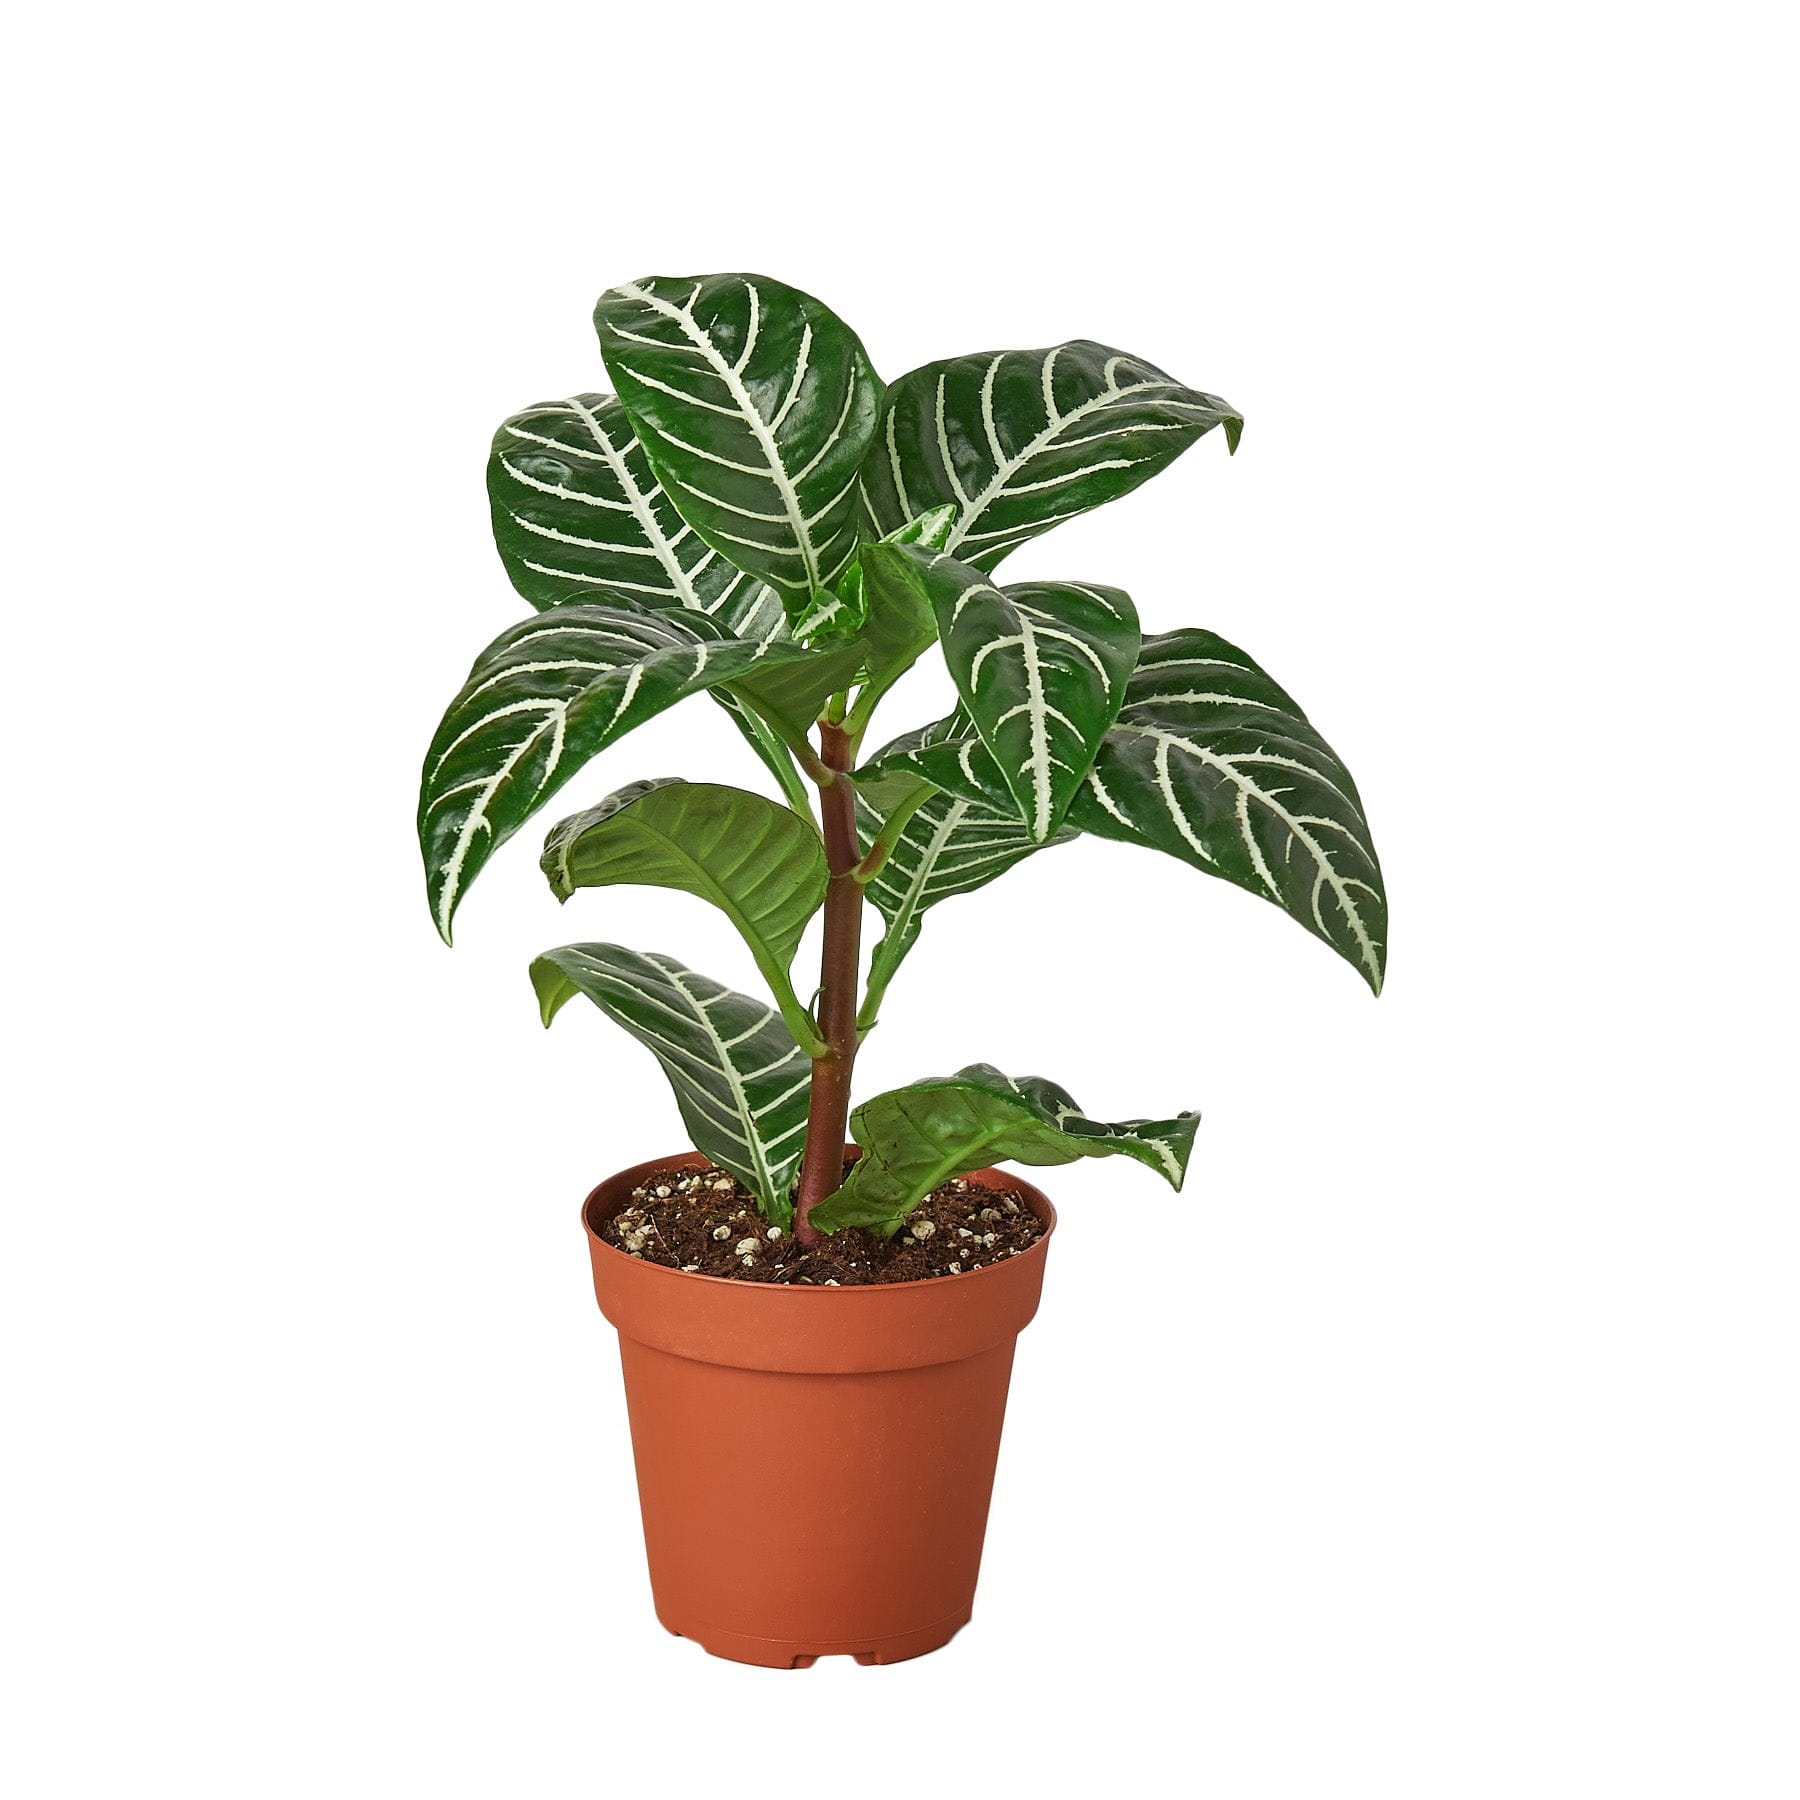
(578, 515)
(916, 1137)
(930, 530)
(739, 1078)
(1213, 763)
(761, 864)
(1020, 440)
(755, 404)
(852, 607)
(901, 624)
(1041, 668)
(833, 616)
(541, 700)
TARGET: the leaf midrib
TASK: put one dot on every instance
(1250, 790)
(1057, 421)
(790, 498)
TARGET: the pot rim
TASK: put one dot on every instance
(1035, 1198)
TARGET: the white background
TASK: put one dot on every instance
(1452, 1452)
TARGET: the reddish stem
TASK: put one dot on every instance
(828, 1110)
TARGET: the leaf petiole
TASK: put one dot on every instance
(802, 752)
(775, 752)
(889, 835)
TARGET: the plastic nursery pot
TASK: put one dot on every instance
(814, 1464)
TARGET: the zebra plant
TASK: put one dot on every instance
(752, 514)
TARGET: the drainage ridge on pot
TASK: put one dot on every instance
(814, 1464)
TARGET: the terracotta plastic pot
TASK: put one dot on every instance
(814, 1464)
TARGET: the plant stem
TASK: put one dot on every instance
(828, 1112)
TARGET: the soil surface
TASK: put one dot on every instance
(704, 1222)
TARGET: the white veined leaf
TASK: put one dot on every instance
(1041, 668)
(579, 518)
(542, 699)
(1214, 763)
(915, 1137)
(949, 756)
(950, 845)
(739, 1078)
(1019, 440)
(755, 404)
(578, 515)
(852, 606)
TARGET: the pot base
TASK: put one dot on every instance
(779, 1653)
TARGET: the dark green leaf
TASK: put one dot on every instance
(739, 1078)
(949, 846)
(949, 756)
(1019, 440)
(755, 404)
(916, 1137)
(578, 515)
(1041, 668)
(1213, 763)
(541, 700)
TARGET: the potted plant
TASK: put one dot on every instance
(811, 1329)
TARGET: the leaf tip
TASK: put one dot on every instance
(1234, 432)
(550, 987)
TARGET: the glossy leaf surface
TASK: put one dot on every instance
(949, 756)
(949, 846)
(578, 515)
(1019, 440)
(896, 769)
(760, 864)
(852, 607)
(1041, 668)
(900, 622)
(916, 1137)
(739, 1078)
(541, 700)
(1214, 763)
(755, 404)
